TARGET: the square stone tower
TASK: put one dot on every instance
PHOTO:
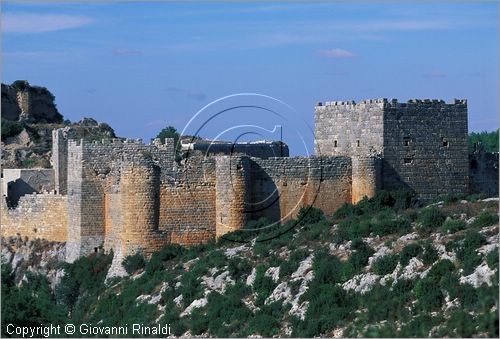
(422, 143)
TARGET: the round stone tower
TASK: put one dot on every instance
(140, 191)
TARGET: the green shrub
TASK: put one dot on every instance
(329, 306)
(408, 252)
(475, 197)
(439, 270)
(492, 259)
(353, 228)
(11, 128)
(317, 231)
(396, 200)
(190, 288)
(346, 210)
(385, 265)
(156, 263)
(452, 226)
(403, 199)
(198, 323)
(361, 253)
(83, 277)
(171, 316)
(430, 219)
(485, 219)
(430, 254)
(420, 325)
(226, 314)
(266, 321)
(488, 139)
(386, 223)
(309, 215)
(29, 304)
(133, 263)
(465, 250)
(452, 198)
(429, 297)
(20, 85)
(450, 282)
(289, 266)
(383, 304)
(469, 298)
(263, 285)
(238, 267)
(326, 268)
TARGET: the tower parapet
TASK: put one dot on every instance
(423, 142)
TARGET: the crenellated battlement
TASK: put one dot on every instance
(391, 102)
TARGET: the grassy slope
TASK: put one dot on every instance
(375, 269)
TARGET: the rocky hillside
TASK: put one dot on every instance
(379, 268)
(29, 114)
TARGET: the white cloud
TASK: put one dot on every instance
(39, 23)
(125, 51)
(435, 74)
(336, 53)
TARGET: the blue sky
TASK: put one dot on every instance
(142, 66)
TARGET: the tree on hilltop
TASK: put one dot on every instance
(168, 132)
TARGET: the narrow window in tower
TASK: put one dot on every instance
(406, 141)
(407, 160)
(357, 143)
(446, 143)
(335, 143)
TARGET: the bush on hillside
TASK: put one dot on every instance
(309, 215)
(485, 219)
(430, 254)
(11, 128)
(430, 219)
(408, 252)
(452, 226)
(385, 265)
(133, 263)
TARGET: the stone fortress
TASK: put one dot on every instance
(128, 196)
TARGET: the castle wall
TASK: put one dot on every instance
(93, 172)
(233, 190)
(113, 220)
(36, 216)
(425, 147)
(281, 186)
(366, 177)
(60, 160)
(346, 128)
(188, 213)
(140, 205)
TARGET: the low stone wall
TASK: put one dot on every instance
(37, 216)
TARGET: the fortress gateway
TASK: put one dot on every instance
(129, 197)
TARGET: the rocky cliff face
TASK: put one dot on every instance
(33, 255)
(29, 114)
(34, 104)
